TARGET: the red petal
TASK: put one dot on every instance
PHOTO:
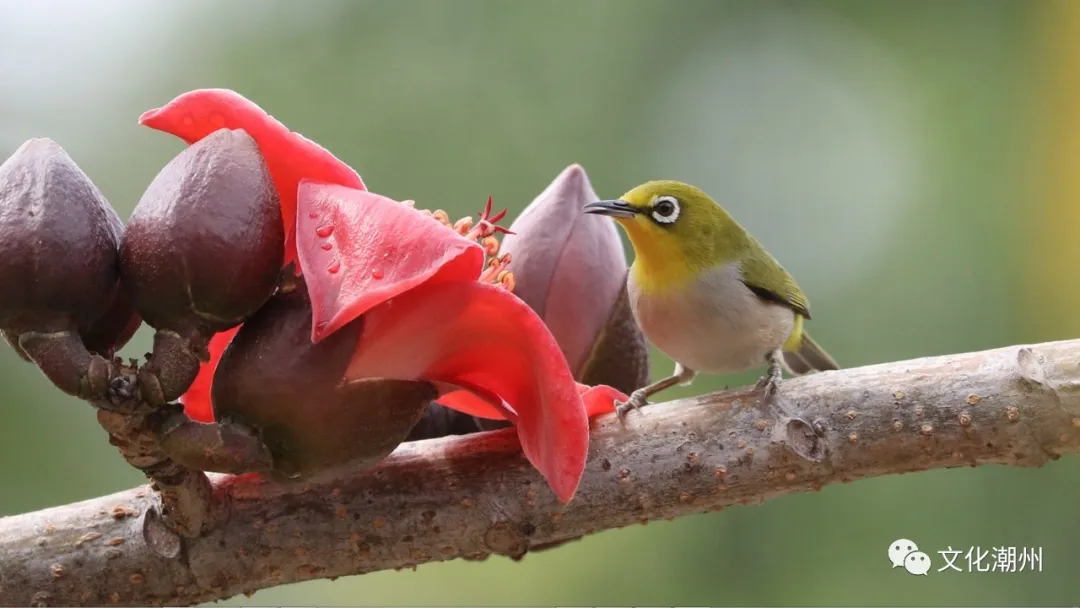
(469, 403)
(358, 249)
(196, 400)
(480, 337)
(600, 399)
(289, 156)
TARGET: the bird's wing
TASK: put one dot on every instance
(764, 276)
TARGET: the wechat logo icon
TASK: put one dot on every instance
(905, 554)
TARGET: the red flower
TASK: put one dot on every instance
(435, 305)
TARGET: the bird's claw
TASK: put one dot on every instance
(636, 401)
(770, 383)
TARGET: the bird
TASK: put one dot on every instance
(707, 294)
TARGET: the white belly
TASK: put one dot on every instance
(716, 326)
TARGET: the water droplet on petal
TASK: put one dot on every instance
(376, 273)
(326, 246)
(324, 231)
(313, 216)
(334, 266)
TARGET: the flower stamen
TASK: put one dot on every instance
(506, 280)
(491, 245)
(463, 226)
(482, 232)
(495, 265)
(442, 217)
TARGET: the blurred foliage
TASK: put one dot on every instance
(913, 164)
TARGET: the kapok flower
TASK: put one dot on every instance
(433, 299)
(427, 317)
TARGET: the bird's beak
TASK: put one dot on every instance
(616, 208)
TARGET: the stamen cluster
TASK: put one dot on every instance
(482, 232)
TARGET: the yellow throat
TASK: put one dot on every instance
(672, 251)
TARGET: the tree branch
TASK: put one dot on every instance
(471, 496)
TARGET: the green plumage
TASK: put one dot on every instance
(768, 279)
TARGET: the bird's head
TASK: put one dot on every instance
(676, 229)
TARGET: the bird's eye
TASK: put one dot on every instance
(665, 209)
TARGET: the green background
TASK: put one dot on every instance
(908, 162)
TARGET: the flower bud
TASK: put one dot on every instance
(58, 265)
(114, 328)
(274, 380)
(203, 248)
(570, 268)
(201, 252)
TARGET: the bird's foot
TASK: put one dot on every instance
(638, 399)
(770, 383)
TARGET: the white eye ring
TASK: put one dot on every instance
(666, 202)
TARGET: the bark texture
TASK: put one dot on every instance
(475, 495)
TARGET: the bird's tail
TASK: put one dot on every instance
(808, 357)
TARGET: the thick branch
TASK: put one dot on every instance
(470, 496)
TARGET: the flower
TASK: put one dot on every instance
(432, 296)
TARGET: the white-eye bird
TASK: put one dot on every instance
(706, 293)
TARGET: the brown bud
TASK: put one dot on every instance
(111, 331)
(203, 248)
(58, 264)
(57, 242)
(114, 328)
(273, 379)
